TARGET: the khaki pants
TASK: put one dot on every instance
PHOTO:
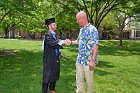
(82, 72)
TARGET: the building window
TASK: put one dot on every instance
(137, 33)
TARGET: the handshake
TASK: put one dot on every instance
(67, 42)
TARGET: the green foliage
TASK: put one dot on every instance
(66, 15)
(109, 23)
(15, 12)
(29, 15)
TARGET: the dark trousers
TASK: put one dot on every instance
(51, 86)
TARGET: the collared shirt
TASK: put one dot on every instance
(61, 42)
(54, 36)
(53, 33)
(88, 36)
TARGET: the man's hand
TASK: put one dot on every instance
(67, 42)
(91, 65)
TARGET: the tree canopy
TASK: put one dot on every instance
(29, 15)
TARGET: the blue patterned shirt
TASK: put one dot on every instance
(88, 36)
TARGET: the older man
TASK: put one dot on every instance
(87, 56)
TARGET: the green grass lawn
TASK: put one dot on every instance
(118, 70)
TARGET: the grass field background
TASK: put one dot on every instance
(118, 70)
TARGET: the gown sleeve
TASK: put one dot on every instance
(49, 40)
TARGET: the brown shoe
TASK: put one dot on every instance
(53, 91)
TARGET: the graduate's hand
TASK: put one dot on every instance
(67, 42)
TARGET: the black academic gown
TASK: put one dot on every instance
(51, 67)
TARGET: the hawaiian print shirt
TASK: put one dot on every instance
(88, 36)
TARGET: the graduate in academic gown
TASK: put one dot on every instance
(51, 67)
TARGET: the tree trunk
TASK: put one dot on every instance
(13, 31)
(41, 35)
(121, 32)
(32, 36)
(6, 30)
(70, 34)
(6, 34)
(61, 35)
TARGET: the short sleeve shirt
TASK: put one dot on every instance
(88, 36)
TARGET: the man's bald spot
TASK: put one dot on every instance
(81, 14)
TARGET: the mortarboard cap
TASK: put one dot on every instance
(49, 21)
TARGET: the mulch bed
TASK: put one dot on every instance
(7, 52)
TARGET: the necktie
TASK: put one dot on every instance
(56, 50)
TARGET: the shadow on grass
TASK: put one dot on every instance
(71, 48)
(103, 64)
(22, 59)
(112, 48)
(22, 73)
(130, 48)
(67, 76)
(102, 73)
